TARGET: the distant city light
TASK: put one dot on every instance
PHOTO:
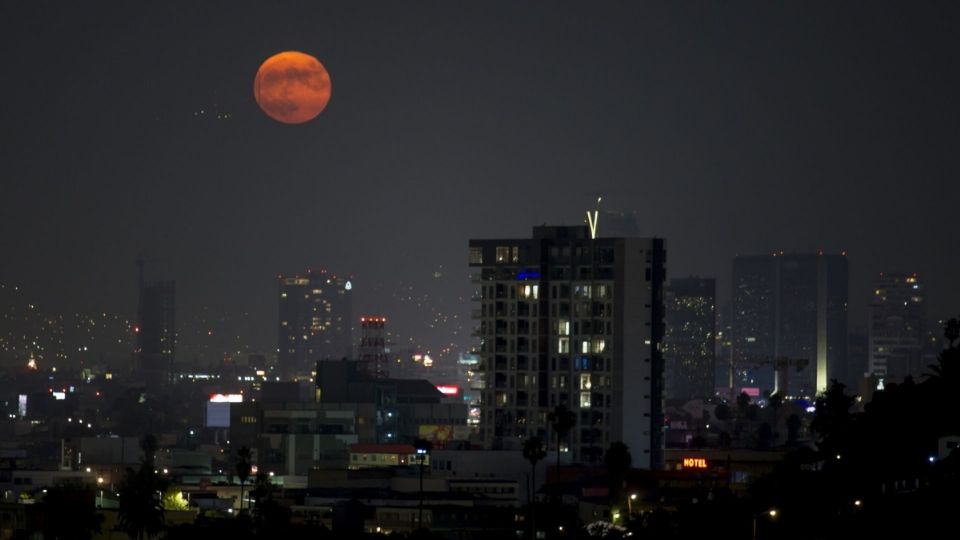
(226, 398)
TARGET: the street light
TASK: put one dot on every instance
(423, 447)
(771, 513)
(630, 499)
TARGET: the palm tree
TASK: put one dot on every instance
(775, 401)
(947, 368)
(617, 459)
(793, 428)
(243, 469)
(268, 513)
(562, 420)
(141, 502)
(534, 450)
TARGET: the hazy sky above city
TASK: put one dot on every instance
(730, 127)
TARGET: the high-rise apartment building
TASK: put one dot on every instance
(690, 341)
(315, 321)
(565, 318)
(897, 327)
(789, 331)
(156, 329)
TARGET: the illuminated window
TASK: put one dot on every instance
(476, 255)
(584, 381)
(503, 254)
(530, 292)
(563, 345)
(564, 328)
(584, 400)
(515, 257)
(599, 345)
(585, 346)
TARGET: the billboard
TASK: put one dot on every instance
(226, 398)
(218, 414)
(438, 434)
(449, 389)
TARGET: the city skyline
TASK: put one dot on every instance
(430, 270)
(724, 119)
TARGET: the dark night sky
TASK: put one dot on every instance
(731, 127)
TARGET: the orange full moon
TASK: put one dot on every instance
(292, 87)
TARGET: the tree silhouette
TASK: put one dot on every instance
(793, 428)
(764, 436)
(722, 412)
(775, 401)
(270, 516)
(832, 419)
(534, 450)
(724, 441)
(243, 469)
(743, 401)
(947, 369)
(70, 512)
(617, 460)
(562, 420)
(141, 502)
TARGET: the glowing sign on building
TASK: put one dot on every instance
(694, 463)
(226, 398)
(449, 389)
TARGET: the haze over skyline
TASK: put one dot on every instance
(801, 127)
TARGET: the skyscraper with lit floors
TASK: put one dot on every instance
(315, 321)
(690, 341)
(897, 327)
(789, 322)
(566, 318)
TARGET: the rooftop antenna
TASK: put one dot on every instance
(593, 218)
